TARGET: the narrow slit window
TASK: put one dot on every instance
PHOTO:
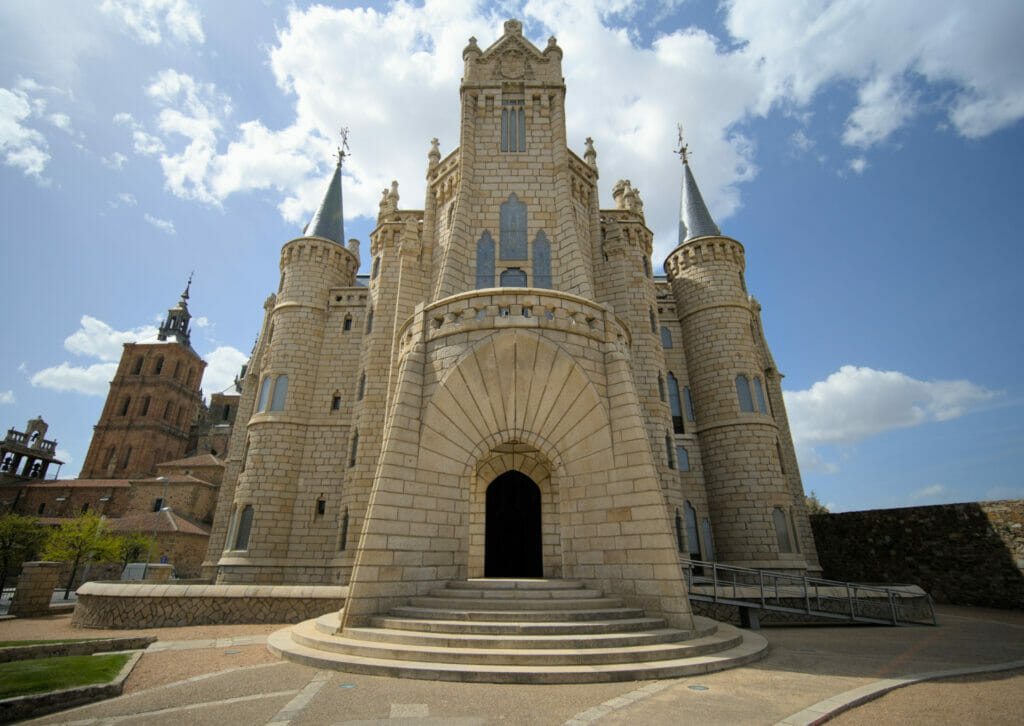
(762, 406)
(691, 531)
(666, 337)
(355, 449)
(280, 393)
(244, 528)
(682, 458)
(673, 401)
(541, 261)
(513, 125)
(485, 261)
(668, 449)
(688, 402)
(781, 530)
(264, 395)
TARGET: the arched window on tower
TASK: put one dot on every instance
(280, 392)
(668, 449)
(666, 337)
(485, 261)
(244, 528)
(158, 366)
(355, 449)
(680, 542)
(343, 531)
(362, 387)
(743, 393)
(369, 321)
(348, 323)
(264, 395)
(138, 366)
(674, 404)
(661, 388)
(762, 406)
(692, 537)
(781, 530)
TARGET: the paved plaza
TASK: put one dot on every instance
(224, 675)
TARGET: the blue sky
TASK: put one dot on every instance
(865, 153)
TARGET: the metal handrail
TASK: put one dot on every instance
(861, 603)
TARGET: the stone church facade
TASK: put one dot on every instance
(512, 392)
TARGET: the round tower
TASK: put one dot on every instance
(751, 502)
(259, 544)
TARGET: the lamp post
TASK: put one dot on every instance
(161, 508)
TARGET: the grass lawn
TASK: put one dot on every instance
(42, 675)
(12, 643)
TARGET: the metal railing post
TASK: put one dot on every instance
(807, 596)
(760, 584)
(849, 596)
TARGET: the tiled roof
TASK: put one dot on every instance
(169, 521)
(199, 460)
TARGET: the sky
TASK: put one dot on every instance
(866, 153)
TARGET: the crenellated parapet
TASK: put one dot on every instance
(704, 250)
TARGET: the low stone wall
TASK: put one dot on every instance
(145, 605)
(965, 554)
(85, 647)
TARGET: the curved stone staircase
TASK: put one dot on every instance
(518, 631)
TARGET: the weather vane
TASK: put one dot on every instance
(684, 149)
(343, 150)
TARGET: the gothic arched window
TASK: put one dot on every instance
(280, 392)
(691, 531)
(666, 337)
(512, 239)
(264, 395)
(513, 125)
(781, 530)
(743, 393)
(762, 406)
(244, 528)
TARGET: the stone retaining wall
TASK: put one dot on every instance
(965, 554)
(145, 605)
(60, 650)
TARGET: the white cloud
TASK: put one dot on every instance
(65, 456)
(201, 322)
(124, 199)
(970, 53)
(22, 147)
(933, 492)
(854, 404)
(61, 120)
(92, 380)
(164, 225)
(7, 396)
(222, 365)
(778, 57)
(145, 19)
(97, 339)
(115, 161)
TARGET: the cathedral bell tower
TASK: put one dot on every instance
(151, 403)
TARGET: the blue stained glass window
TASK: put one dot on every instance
(264, 394)
(280, 393)
(688, 402)
(691, 530)
(743, 392)
(541, 261)
(759, 392)
(682, 458)
(513, 229)
(485, 261)
(709, 542)
(666, 337)
(513, 277)
(673, 402)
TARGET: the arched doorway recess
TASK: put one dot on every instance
(512, 544)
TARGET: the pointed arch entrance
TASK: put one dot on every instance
(512, 540)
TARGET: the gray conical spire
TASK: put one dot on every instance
(694, 218)
(328, 221)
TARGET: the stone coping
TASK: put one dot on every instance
(170, 590)
(39, 704)
(85, 647)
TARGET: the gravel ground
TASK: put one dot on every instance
(156, 669)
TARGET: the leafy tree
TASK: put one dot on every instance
(814, 506)
(80, 541)
(20, 539)
(130, 547)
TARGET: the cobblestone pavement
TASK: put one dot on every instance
(807, 672)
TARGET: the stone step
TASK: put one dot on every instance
(519, 604)
(525, 616)
(501, 641)
(517, 595)
(747, 646)
(545, 654)
(490, 583)
(578, 627)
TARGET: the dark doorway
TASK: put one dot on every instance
(512, 543)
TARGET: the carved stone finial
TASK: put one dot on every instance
(552, 48)
(622, 188)
(513, 27)
(393, 194)
(434, 155)
(589, 155)
(471, 49)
